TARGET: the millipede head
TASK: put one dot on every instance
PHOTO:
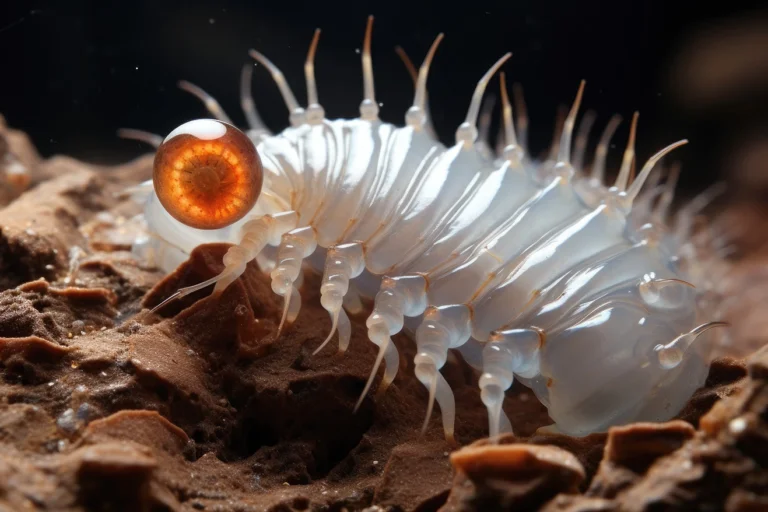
(207, 174)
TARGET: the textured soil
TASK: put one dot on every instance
(106, 406)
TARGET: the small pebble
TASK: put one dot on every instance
(84, 411)
(737, 425)
(66, 421)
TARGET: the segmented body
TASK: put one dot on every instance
(532, 270)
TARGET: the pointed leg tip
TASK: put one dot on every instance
(381, 391)
(358, 404)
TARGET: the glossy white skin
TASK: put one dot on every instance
(520, 253)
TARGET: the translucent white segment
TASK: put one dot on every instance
(294, 247)
(472, 272)
(282, 223)
(157, 252)
(282, 164)
(618, 378)
(510, 352)
(342, 263)
(443, 328)
(398, 297)
(267, 259)
(407, 158)
(436, 198)
(321, 156)
(615, 268)
(666, 294)
(519, 282)
(496, 196)
(255, 235)
(349, 197)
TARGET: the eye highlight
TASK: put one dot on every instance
(207, 174)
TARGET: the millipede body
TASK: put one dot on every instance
(533, 270)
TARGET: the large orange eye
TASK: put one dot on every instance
(207, 174)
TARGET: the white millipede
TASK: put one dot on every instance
(532, 270)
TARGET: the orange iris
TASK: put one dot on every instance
(207, 174)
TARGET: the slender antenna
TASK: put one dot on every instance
(418, 115)
(210, 102)
(622, 181)
(554, 148)
(601, 153)
(522, 116)
(665, 201)
(246, 100)
(671, 355)
(485, 118)
(420, 98)
(290, 100)
(570, 122)
(141, 136)
(506, 111)
(369, 109)
(408, 64)
(477, 97)
(634, 189)
(467, 131)
(309, 70)
(582, 138)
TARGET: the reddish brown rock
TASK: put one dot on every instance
(632, 449)
(18, 163)
(417, 476)
(511, 476)
(40, 230)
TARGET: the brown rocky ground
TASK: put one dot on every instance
(105, 406)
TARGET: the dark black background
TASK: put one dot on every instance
(73, 72)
